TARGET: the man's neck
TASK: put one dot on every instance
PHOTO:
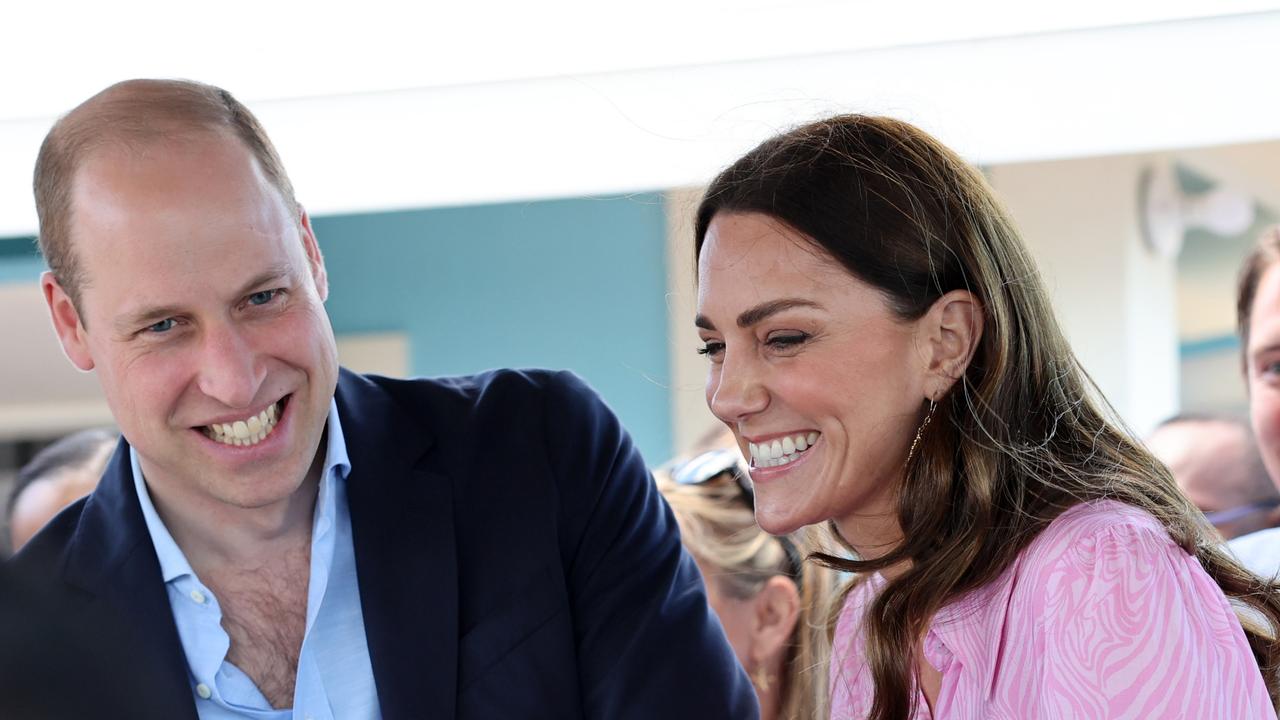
(215, 535)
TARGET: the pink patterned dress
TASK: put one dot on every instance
(1101, 617)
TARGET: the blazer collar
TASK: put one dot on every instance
(406, 563)
(110, 557)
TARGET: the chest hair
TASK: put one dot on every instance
(264, 611)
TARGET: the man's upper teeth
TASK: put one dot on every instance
(781, 450)
(248, 431)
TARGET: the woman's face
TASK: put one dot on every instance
(819, 381)
(1262, 368)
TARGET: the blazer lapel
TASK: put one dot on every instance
(403, 532)
(111, 559)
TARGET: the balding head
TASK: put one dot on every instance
(136, 114)
(1217, 465)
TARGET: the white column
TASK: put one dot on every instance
(1115, 299)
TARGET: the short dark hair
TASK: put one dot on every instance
(68, 453)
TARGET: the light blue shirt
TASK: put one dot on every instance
(335, 676)
(1259, 552)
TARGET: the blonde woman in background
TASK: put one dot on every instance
(774, 608)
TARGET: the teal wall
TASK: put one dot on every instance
(575, 284)
(19, 260)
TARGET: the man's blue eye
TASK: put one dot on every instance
(163, 326)
(262, 298)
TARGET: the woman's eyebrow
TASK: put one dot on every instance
(773, 307)
(760, 312)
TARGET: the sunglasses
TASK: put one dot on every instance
(1220, 517)
(713, 464)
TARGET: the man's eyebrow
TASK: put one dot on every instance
(150, 315)
(270, 275)
(144, 317)
(1265, 349)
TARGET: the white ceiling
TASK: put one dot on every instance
(379, 105)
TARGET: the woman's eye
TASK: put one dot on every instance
(262, 297)
(783, 341)
(711, 348)
(163, 326)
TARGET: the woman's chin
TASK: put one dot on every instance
(778, 522)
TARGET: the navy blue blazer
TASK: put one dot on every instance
(514, 561)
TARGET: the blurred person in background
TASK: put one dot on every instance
(1216, 463)
(58, 475)
(883, 348)
(773, 605)
(1258, 324)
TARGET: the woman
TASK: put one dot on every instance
(883, 349)
(773, 609)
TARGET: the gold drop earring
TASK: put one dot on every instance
(920, 431)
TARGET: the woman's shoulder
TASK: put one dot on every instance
(1090, 526)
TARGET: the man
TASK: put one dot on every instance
(289, 535)
(57, 476)
(1216, 463)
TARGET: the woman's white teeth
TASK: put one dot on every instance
(781, 452)
(250, 431)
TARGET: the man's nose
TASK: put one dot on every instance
(230, 370)
(736, 390)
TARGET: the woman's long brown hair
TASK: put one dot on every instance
(1022, 436)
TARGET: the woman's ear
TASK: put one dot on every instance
(953, 328)
(776, 608)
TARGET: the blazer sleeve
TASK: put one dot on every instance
(648, 644)
(1133, 627)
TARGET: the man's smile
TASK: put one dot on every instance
(248, 431)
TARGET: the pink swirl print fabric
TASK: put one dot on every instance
(1102, 617)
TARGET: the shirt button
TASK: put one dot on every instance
(198, 597)
(203, 691)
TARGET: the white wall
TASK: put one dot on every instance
(690, 418)
(1115, 300)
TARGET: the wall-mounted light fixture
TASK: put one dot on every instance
(1168, 211)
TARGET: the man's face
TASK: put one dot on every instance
(203, 315)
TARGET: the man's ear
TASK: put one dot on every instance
(314, 258)
(953, 329)
(66, 323)
(776, 608)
